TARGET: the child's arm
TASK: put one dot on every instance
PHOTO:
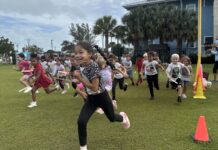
(161, 67)
(93, 85)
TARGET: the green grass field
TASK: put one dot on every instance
(161, 124)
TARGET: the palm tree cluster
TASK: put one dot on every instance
(141, 24)
(165, 22)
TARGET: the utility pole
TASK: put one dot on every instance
(28, 42)
(51, 44)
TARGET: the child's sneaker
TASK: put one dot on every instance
(64, 92)
(57, 87)
(126, 122)
(68, 85)
(83, 147)
(114, 102)
(32, 104)
(184, 96)
(37, 91)
(28, 89)
(22, 89)
(125, 86)
(100, 111)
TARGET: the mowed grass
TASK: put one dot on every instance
(161, 124)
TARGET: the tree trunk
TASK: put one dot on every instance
(179, 45)
(106, 42)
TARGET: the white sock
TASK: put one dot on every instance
(83, 147)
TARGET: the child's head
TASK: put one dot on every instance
(58, 61)
(150, 56)
(174, 58)
(101, 61)
(128, 57)
(156, 56)
(34, 59)
(145, 56)
(21, 56)
(83, 52)
(186, 60)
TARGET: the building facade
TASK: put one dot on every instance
(209, 20)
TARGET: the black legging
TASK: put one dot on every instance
(152, 79)
(121, 85)
(101, 100)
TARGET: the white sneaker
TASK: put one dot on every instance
(126, 122)
(100, 111)
(32, 104)
(184, 96)
(22, 89)
(68, 85)
(37, 91)
(83, 147)
(64, 92)
(114, 104)
(57, 87)
(28, 89)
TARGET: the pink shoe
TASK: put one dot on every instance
(126, 122)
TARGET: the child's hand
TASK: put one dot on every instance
(77, 74)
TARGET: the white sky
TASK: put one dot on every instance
(41, 21)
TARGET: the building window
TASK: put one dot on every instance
(191, 7)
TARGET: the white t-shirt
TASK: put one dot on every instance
(52, 67)
(117, 74)
(150, 67)
(175, 70)
(128, 65)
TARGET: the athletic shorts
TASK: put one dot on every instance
(175, 85)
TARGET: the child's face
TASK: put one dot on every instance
(34, 61)
(185, 62)
(58, 62)
(128, 58)
(150, 57)
(20, 58)
(175, 60)
(82, 55)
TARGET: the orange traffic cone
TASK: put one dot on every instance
(201, 133)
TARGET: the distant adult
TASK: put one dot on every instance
(214, 51)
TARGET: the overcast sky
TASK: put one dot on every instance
(40, 21)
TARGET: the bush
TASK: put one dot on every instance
(204, 60)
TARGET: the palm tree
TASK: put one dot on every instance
(104, 26)
(119, 33)
(185, 22)
(82, 33)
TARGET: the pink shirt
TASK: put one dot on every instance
(25, 65)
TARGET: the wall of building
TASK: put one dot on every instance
(215, 19)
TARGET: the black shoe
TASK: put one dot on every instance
(167, 85)
(179, 99)
(137, 84)
(125, 87)
(75, 94)
(133, 83)
(151, 98)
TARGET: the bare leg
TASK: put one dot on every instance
(48, 91)
(34, 89)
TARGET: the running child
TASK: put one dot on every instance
(39, 79)
(119, 77)
(186, 75)
(150, 68)
(174, 73)
(97, 96)
(128, 65)
(24, 67)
